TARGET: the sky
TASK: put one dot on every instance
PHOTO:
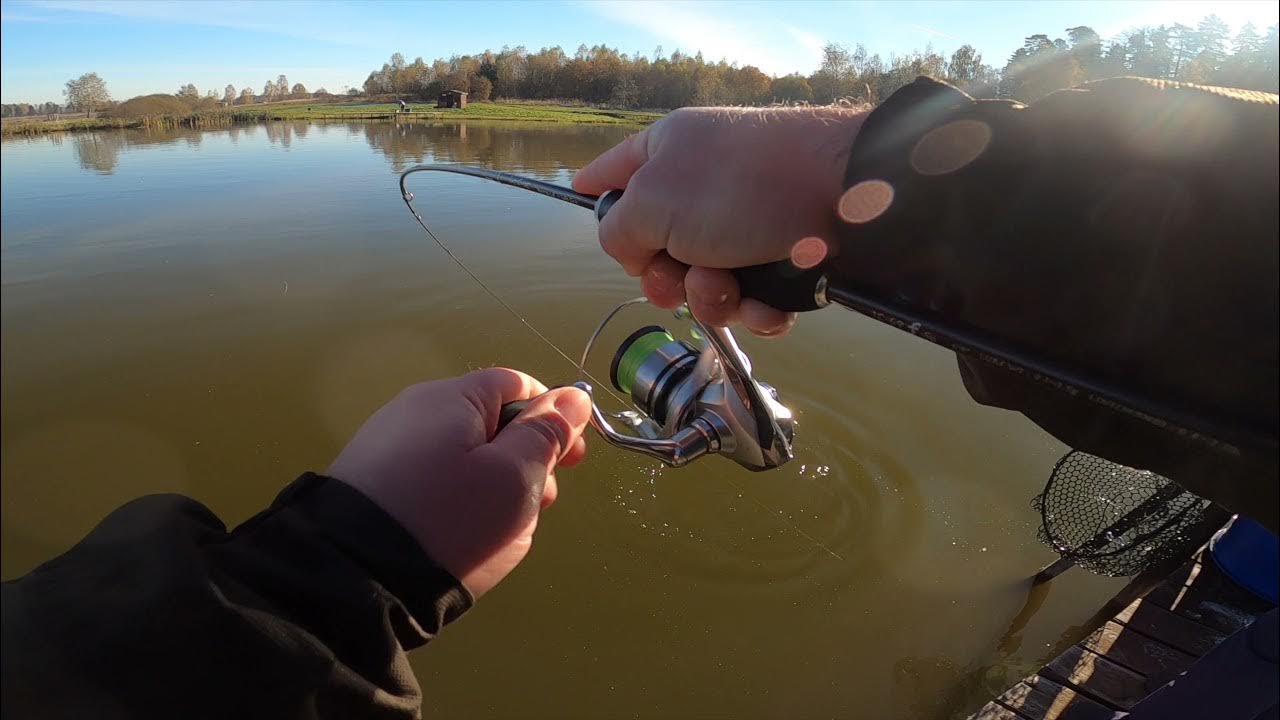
(142, 47)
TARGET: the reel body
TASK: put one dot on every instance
(692, 399)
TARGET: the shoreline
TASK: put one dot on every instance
(339, 112)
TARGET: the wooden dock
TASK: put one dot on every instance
(1137, 651)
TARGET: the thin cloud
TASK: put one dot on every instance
(932, 31)
(684, 26)
(811, 42)
(7, 16)
(279, 18)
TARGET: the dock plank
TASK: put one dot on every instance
(1140, 653)
(1039, 698)
(1182, 633)
(1200, 592)
(1097, 677)
(995, 711)
(1148, 643)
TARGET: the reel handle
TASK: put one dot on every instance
(510, 411)
(784, 286)
(515, 407)
(778, 284)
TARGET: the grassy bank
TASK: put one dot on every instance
(473, 111)
(527, 112)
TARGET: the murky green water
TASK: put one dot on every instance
(213, 313)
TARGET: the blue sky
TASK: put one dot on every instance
(142, 47)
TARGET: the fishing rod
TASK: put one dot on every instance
(784, 286)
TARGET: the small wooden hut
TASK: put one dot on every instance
(452, 99)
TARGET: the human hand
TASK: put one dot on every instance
(709, 189)
(430, 458)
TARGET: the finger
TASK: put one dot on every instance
(663, 281)
(489, 389)
(765, 320)
(550, 491)
(713, 295)
(537, 439)
(614, 167)
(636, 228)
(576, 454)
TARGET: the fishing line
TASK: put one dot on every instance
(537, 187)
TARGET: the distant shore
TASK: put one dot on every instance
(506, 111)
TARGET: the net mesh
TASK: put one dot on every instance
(1114, 520)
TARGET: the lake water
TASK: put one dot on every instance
(213, 313)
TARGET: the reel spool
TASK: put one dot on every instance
(692, 400)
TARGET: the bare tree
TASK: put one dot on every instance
(229, 95)
(246, 96)
(268, 91)
(282, 86)
(87, 93)
(188, 92)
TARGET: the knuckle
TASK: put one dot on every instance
(552, 429)
(417, 393)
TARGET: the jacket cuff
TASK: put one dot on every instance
(376, 541)
(903, 187)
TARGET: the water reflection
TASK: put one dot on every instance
(282, 133)
(500, 145)
(99, 152)
(497, 145)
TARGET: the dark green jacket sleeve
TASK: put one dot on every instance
(306, 610)
(1126, 227)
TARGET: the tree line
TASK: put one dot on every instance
(1205, 53)
(189, 95)
(1202, 54)
(88, 94)
(27, 109)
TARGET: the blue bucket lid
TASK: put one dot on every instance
(1249, 554)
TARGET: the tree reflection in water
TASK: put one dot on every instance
(500, 145)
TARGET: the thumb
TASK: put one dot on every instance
(614, 168)
(547, 429)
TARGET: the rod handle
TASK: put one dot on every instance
(779, 284)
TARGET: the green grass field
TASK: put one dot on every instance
(476, 111)
(528, 112)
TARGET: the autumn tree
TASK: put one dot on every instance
(793, 88)
(229, 94)
(299, 90)
(1038, 68)
(87, 93)
(1086, 48)
(833, 79)
(626, 92)
(246, 96)
(1212, 34)
(480, 87)
(964, 66)
(747, 86)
